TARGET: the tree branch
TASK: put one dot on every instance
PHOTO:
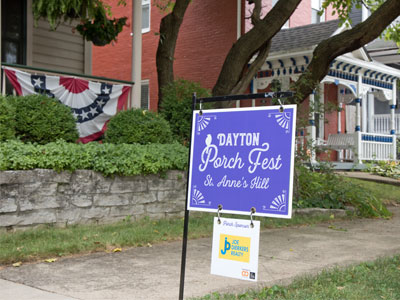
(342, 43)
(248, 75)
(251, 43)
(256, 15)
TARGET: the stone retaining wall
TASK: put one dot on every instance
(34, 197)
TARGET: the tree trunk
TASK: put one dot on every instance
(169, 29)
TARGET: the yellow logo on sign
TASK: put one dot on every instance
(234, 248)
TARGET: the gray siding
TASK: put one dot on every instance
(355, 16)
(59, 50)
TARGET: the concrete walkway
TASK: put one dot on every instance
(153, 272)
(370, 177)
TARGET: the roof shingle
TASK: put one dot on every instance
(303, 36)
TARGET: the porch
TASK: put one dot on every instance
(381, 123)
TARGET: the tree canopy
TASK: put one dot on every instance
(95, 25)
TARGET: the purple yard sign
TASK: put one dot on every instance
(243, 158)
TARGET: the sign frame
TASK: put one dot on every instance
(289, 193)
(195, 100)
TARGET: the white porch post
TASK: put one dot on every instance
(239, 19)
(339, 118)
(371, 113)
(339, 128)
(312, 131)
(136, 53)
(392, 117)
(357, 133)
(254, 89)
(363, 105)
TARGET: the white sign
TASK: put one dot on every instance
(235, 248)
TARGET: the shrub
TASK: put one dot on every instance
(327, 190)
(385, 168)
(136, 126)
(7, 119)
(43, 120)
(109, 159)
(176, 106)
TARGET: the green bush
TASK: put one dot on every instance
(109, 159)
(176, 106)
(7, 119)
(42, 120)
(383, 168)
(327, 190)
(136, 126)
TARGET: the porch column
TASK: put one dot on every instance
(339, 128)
(312, 131)
(371, 113)
(339, 118)
(136, 53)
(363, 105)
(392, 109)
(358, 114)
(392, 118)
(254, 89)
(357, 133)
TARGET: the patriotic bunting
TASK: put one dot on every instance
(92, 103)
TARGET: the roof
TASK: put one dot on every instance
(303, 37)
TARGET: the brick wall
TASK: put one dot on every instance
(207, 33)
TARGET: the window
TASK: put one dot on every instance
(286, 25)
(316, 8)
(145, 95)
(145, 16)
(13, 35)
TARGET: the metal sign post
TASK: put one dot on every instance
(240, 161)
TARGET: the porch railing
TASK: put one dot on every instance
(362, 146)
(373, 146)
(42, 71)
(382, 123)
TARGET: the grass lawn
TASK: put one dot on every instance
(389, 194)
(48, 242)
(367, 281)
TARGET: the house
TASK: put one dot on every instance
(386, 52)
(207, 33)
(35, 59)
(354, 82)
(36, 46)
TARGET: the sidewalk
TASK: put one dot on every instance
(153, 272)
(369, 177)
